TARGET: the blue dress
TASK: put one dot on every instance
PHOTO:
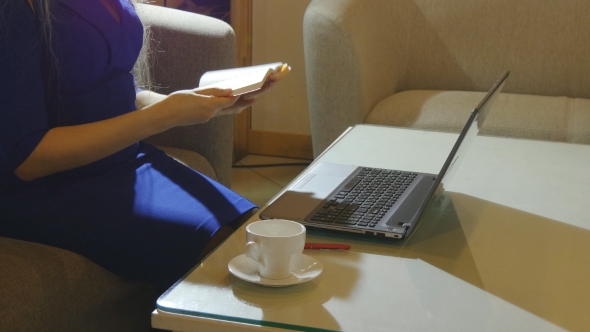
(138, 212)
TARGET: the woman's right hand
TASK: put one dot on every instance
(187, 107)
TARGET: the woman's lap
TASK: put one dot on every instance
(148, 220)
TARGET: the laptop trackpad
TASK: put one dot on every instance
(299, 201)
(319, 185)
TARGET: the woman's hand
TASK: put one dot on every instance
(187, 107)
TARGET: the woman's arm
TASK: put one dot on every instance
(146, 97)
(65, 148)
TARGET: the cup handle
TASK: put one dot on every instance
(253, 251)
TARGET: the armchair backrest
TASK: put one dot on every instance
(184, 46)
(359, 52)
(465, 44)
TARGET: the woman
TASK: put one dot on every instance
(73, 171)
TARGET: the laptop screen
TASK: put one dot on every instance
(466, 137)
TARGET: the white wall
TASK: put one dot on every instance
(277, 36)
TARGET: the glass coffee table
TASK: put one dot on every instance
(506, 248)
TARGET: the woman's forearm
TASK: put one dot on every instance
(65, 148)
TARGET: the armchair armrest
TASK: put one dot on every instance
(355, 56)
(184, 46)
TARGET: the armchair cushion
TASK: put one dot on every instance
(50, 289)
(523, 116)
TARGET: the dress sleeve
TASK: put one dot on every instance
(23, 114)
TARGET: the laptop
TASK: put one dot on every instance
(371, 201)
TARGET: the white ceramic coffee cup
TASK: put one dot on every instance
(276, 245)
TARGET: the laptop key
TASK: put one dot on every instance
(321, 219)
(352, 207)
(351, 184)
(346, 222)
(341, 206)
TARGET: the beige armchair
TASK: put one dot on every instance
(425, 64)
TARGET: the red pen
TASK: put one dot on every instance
(326, 246)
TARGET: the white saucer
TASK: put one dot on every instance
(307, 268)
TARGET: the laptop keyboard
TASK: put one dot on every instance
(366, 198)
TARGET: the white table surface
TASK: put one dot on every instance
(508, 250)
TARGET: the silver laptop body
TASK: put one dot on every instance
(378, 202)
